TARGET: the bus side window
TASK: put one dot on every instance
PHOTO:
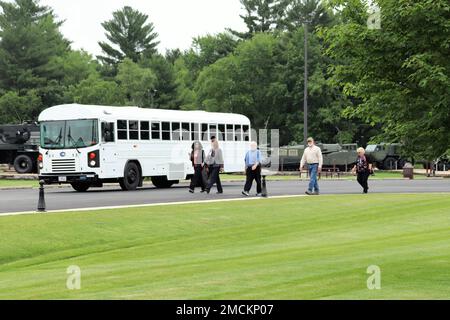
(166, 131)
(108, 131)
(186, 132)
(133, 126)
(145, 130)
(212, 130)
(230, 132)
(221, 132)
(204, 136)
(195, 132)
(122, 129)
(156, 133)
(246, 131)
(176, 133)
(238, 132)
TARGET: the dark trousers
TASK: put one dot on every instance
(197, 179)
(363, 178)
(253, 175)
(214, 178)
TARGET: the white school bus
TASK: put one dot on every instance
(86, 146)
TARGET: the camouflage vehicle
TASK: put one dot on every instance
(335, 156)
(386, 156)
(443, 163)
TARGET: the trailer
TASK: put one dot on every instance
(19, 146)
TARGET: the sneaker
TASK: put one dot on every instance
(219, 192)
(316, 193)
(245, 193)
(259, 194)
(191, 191)
(309, 193)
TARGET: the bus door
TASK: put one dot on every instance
(108, 150)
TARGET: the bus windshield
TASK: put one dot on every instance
(69, 134)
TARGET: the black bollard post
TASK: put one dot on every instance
(264, 187)
(41, 202)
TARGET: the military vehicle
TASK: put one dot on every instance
(335, 156)
(443, 163)
(19, 145)
(386, 156)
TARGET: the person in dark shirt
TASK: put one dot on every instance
(363, 169)
(253, 160)
(215, 163)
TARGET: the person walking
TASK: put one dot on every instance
(197, 157)
(215, 163)
(312, 156)
(253, 169)
(363, 169)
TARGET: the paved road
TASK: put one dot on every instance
(66, 198)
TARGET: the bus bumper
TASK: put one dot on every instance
(69, 178)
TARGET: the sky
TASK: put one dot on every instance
(176, 21)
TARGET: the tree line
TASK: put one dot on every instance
(365, 84)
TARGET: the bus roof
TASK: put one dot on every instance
(80, 111)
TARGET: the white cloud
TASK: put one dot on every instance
(176, 21)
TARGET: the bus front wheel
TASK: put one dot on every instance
(162, 182)
(132, 177)
(80, 186)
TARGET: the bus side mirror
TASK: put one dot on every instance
(108, 132)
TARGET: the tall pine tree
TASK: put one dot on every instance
(130, 35)
(262, 16)
(29, 41)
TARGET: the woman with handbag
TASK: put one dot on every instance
(363, 169)
(197, 156)
(215, 163)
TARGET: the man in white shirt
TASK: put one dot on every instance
(312, 156)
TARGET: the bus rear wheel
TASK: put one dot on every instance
(131, 177)
(80, 186)
(162, 182)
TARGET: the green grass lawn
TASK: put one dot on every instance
(294, 248)
(18, 183)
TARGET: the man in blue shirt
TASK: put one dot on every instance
(253, 169)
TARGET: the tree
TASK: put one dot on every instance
(136, 83)
(30, 38)
(74, 67)
(130, 36)
(400, 73)
(97, 91)
(262, 16)
(15, 108)
(30, 42)
(312, 12)
(186, 95)
(164, 94)
(245, 82)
